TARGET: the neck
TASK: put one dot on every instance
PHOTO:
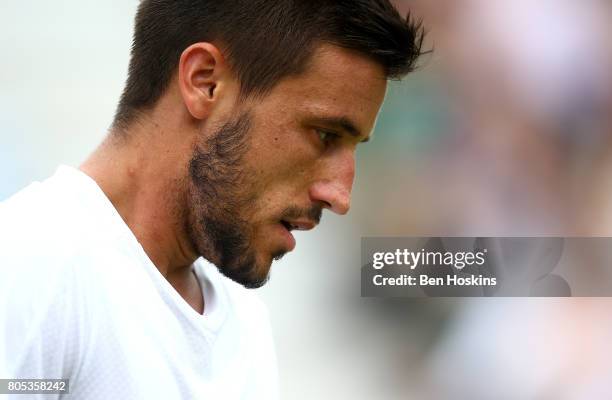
(137, 172)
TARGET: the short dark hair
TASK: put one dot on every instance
(262, 40)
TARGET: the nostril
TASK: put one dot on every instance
(331, 195)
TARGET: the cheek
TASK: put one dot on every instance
(279, 184)
(282, 163)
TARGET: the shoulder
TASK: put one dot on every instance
(43, 234)
(47, 222)
(39, 284)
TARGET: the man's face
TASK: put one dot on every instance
(276, 163)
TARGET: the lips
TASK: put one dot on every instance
(288, 225)
(285, 230)
(298, 225)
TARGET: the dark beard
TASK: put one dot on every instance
(217, 200)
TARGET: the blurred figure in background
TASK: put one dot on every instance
(527, 150)
(531, 94)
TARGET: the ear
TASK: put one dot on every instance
(200, 75)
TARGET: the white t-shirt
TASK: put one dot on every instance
(80, 300)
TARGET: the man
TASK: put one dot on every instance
(238, 124)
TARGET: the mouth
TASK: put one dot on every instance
(286, 228)
(287, 225)
(301, 225)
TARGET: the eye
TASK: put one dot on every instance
(327, 137)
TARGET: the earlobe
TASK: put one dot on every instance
(200, 69)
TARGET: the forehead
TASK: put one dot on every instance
(337, 83)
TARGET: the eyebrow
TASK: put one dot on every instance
(343, 124)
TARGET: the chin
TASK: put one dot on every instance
(257, 279)
(251, 274)
(260, 271)
(251, 267)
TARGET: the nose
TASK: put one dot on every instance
(334, 188)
